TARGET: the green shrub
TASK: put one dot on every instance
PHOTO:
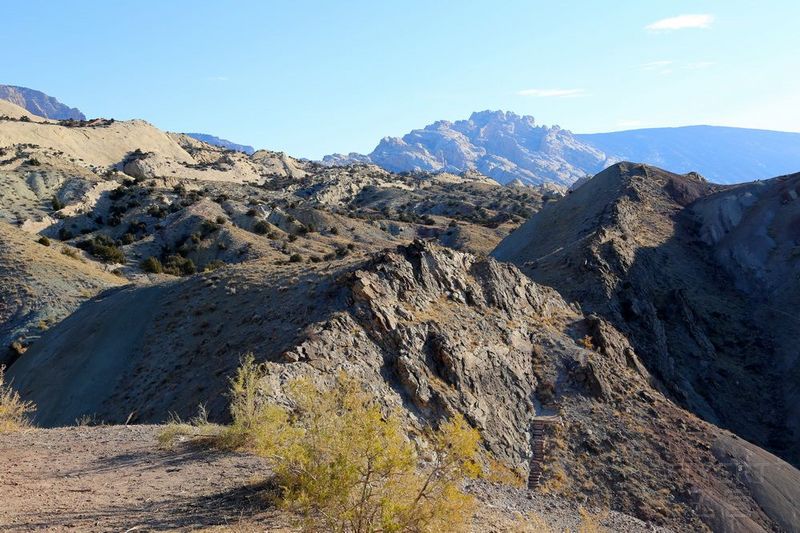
(295, 258)
(103, 248)
(213, 265)
(261, 227)
(152, 265)
(43, 241)
(179, 266)
(56, 204)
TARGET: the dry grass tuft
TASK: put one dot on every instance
(14, 413)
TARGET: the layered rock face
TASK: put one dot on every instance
(696, 275)
(39, 103)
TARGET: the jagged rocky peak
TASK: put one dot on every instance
(501, 145)
(39, 103)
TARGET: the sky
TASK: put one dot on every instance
(313, 78)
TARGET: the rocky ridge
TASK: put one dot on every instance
(691, 273)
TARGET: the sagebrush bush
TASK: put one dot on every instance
(14, 413)
(345, 466)
(103, 248)
(152, 265)
(261, 227)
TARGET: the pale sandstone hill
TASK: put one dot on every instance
(430, 331)
(10, 109)
(701, 278)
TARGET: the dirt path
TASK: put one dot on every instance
(116, 479)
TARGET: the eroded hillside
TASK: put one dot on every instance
(697, 276)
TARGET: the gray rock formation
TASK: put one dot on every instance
(430, 332)
(501, 145)
(39, 103)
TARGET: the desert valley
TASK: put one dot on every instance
(593, 344)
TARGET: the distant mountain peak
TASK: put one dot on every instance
(500, 144)
(39, 103)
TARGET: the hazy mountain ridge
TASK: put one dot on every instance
(39, 103)
(506, 146)
(721, 154)
(222, 143)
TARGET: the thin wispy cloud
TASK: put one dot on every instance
(699, 65)
(666, 67)
(552, 93)
(656, 65)
(217, 78)
(682, 22)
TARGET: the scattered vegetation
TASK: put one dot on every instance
(43, 240)
(14, 413)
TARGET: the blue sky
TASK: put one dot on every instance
(311, 78)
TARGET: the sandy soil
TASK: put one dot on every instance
(116, 479)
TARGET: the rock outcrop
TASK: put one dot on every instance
(430, 332)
